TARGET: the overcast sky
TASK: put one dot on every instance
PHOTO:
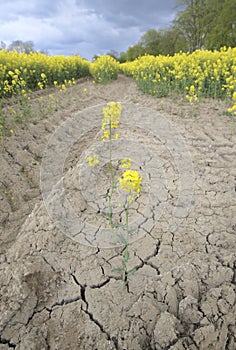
(84, 27)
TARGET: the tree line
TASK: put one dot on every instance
(20, 46)
(200, 24)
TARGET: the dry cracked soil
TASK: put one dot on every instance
(58, 286)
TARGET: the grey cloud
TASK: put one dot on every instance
(38, 9)
(141, 13)
(85, 27)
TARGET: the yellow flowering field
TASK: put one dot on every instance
(104, 69)
(20, 73)
(202, 73)
(24, 73)
(199, 74)
(209, 74)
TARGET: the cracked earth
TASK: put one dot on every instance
(59, 290)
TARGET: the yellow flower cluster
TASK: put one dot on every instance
(191, 94)
(104, 69)
(233, 108)
(126, 163)
(36, 71)
(130, 182)
(212, 73)
(12, 83)
(111, 120)
(93, 160)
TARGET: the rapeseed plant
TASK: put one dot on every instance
(129, 182)
(104, 69)
(210, 72)
(233, 108)
(36, 71)
(192, 98)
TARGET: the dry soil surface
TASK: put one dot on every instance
(58, 286)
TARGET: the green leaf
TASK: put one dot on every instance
(116, 269)
(126, 256)
(119, 226)
(132, 231)
(122, 284)
(131, 272)
(122, 239)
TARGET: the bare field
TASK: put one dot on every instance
(58, 293)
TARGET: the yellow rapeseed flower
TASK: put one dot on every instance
(191, 96)
(63, 88)
(126, 163)
(111, 115)
(111, 120)
(130, 182)
(130, 199)
(233, 108)
(43, 76)
(93, 160)
(105, 135)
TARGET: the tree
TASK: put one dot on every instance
(208, 24)
(123, 57)
(21, 46)
(28, 46)
(134, 52)
(223, 29)
(2, 45)
(113, 54)
(172, 41)
(44, 52)
(153, 42)
(150, 41)
(192, 24)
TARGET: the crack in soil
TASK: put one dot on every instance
(87, 312)
(7, 342)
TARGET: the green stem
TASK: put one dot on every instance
(127, 220)
(126, 252)
(112, 180)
